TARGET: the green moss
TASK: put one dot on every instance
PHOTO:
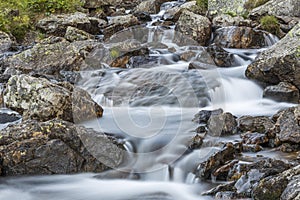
(114, 53)
(18, 16)
(251, 4)
(270, 24)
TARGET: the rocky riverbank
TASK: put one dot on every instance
(39, 77)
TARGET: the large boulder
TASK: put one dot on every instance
(277, 8)
(234, 7)
(194, 26)
(282, 186)
(50, 56)
(282, 92)
(287, 125)
(56, 147)
(260, 124)
(279, 63)
(222, 124)
(149, 6)
(74, 34)
(58, 24)
(38, 98)
(239, 37)
(5, 42)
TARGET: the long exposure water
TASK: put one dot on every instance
(150, 109)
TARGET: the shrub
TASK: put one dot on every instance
(251, 4)
(18, 16)
(270, 24)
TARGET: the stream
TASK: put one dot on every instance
(150, 108)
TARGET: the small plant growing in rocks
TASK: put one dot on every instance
(270, 24)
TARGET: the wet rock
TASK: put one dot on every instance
(254, 138)
(143, 16)
(287, 125)
(203, 116)
(225, 187)
(150, 6)
(218, 159)
(124, 60)
(239, 37)
(5, 42)
(196, 142)
(221, 57)
(74, 34)
(174, 13)
(51, 56)
(37, 98)
(222, 172)
(292, 190)
(6, 118)
(56, 147)
(58, 24)
(251, 148)
(236, 7)
(275, 187)
(258, 124)
(194, 26)
(222, 124)
(279, 63)
(289, 8)
(284, 91)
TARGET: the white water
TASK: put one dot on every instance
(150, 110)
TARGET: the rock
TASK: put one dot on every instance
(6, 118)
(74, 34)
(275, 187)
(239, 37)
(50, 56)
(287, 125)
(282, 92)
(37, 98)
(235, 7)
(222, 124)
(56, 147)
(254, 138)
(280, 62)
(143, 16)
(289, 8)
(149, 6)
(119, 23)
(258, 124)
(221, 57)
(209, 167)
(174, 13)
(196, 142)
(292, 190)
(5, 42)
(99, 4)
(203, 116)
(194, 26)
(58, 24)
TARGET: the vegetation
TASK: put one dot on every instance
(250, 4)
(202, 4)
(18, 16)
(270, 24)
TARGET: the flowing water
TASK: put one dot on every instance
(150, 109)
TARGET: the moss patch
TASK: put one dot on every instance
(270, 24)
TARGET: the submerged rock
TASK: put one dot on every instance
(194, 26)
(239, 37)
(282, 92)
(37, 98)
(50, 56)
(279, 63)
(56, 147)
